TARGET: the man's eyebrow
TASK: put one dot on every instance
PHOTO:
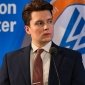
(39, 21)
(43, 20)
(50, 19)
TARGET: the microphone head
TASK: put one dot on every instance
(53, 51)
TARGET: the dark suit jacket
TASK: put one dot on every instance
(66, 66)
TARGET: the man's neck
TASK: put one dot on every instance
(40, 45)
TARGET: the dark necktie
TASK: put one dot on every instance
(38, 69)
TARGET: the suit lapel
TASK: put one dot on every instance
(53, 79)
(58, 58)
(54, 67)
(26, 65)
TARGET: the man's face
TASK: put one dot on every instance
(41, 27)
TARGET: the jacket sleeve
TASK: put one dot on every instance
(78, 77)
(4, 77)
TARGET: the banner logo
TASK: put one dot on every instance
(74, 36)
(69, 30)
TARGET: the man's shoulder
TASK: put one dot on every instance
(67, 51)
(18, 52)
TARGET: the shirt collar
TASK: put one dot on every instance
(46, 47)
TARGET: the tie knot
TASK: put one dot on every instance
(39, 51)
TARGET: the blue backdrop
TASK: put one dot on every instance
(11, 25)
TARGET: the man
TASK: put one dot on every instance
(61, 66)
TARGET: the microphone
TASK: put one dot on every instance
(53, 51)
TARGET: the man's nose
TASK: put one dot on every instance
(46, 26)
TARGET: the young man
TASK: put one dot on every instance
(61, 66)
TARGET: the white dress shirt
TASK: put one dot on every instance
(45, 55)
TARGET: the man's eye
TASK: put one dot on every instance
(39, 23)
(50, 21)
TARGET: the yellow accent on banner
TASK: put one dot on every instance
(60, 5)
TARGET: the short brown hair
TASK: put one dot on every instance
(35, 5)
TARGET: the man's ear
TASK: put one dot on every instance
(27, 29)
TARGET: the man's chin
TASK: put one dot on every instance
(46, 40)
